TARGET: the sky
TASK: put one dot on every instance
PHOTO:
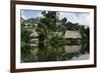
(27, 14)
(76, 17)
(82, 18)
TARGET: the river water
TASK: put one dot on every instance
(44, 53)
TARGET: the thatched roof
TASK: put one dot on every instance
(34, 33)
(72, 34)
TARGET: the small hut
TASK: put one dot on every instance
(73, 37)
(72, 34)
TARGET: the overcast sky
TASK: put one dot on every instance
(82, 18)
(76, 17)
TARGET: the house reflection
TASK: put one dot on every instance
(72, 48)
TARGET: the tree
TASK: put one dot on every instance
(49, 25)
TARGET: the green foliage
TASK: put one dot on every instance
(49, 24)
(33, 21)
(25, 41)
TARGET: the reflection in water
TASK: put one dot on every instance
(72, 48)
(54, 52)
(82, 57)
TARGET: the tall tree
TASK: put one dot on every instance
(49, 24)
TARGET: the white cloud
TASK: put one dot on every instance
(39, 15)
(81, 18)
(22, 15)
